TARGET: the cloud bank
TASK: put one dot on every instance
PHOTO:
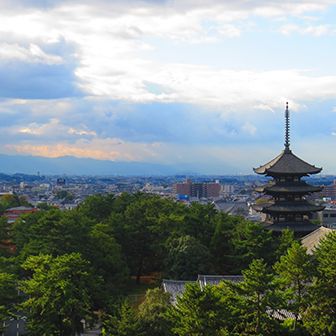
(163, 81)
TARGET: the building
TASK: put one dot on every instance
(313, 239)
(288, 207)
(329, 191)
(13, 214)
(198, 190)
(228, 189)
(176, 288)
(327, 217)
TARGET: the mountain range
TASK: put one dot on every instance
(11, 164)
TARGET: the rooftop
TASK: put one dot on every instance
(287, 163)
(312, 240)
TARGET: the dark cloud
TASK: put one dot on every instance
(37, 81)
(38, 78)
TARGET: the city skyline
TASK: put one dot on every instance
(194, 83)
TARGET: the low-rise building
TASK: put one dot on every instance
(13, 214)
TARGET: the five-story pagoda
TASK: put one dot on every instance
(288, 207)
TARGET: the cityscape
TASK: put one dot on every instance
(230, 194)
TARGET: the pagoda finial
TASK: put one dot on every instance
(287, 129)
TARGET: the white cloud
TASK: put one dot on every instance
(53, 129)
(33, 54)
(249, 128)
(112, 42)
(97, 148)
(313, 30)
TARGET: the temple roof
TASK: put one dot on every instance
(289, 188)
(312, 240)
(287, 163)
(304, 226)
(205, 280)
(292, 207)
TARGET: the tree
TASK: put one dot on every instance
(295, 272)
(320, 317)
(9, 201)
(97, 207)
(52, 232)
(186, 258)
(221, 245)
(4, 229)
(137, 230)
(124, 322)
(153, 313)
(257, 294)
(106, 257)
(199, 222)
(285, 241)
(58, 294)
(202, 312)
(251, 241)
(8, 296)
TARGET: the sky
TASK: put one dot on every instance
(197, 83)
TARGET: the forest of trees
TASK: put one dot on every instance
(83, 264)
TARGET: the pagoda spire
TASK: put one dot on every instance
(287, 149)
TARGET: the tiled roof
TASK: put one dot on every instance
(300, 187)
(20, 208)
(312, 240)
(287, 163)
(175, 288)
(304, 226)
(292, 207)
(216, 279)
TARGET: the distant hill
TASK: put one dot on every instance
(11, 164)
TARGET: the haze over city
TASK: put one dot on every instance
(200, 85)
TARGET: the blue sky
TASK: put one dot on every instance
(189, 82)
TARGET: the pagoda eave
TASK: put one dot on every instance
(293, 208)
(304, 226)
(276, 189)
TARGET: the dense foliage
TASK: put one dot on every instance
(75, 265)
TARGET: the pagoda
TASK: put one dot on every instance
(288, 206)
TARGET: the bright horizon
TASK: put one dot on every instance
(196, 83)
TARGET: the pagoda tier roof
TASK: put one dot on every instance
(303, 226)
(288, 188)
(291, 207)
(288, 164)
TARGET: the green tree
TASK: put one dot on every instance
(124, 322)
(186, 258)
(257, 294)
(106, 257)
(295, 273)
(320, 317)
(5, 230)
(221, 246)
(44, 206)
(8, 296)
(52, 232)
(9, 201)
(153, 313)
(285, 241)
(199, 222)
(202, 312)
(97, 207)
(58, 294)
(138, 231)
(251, 241)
